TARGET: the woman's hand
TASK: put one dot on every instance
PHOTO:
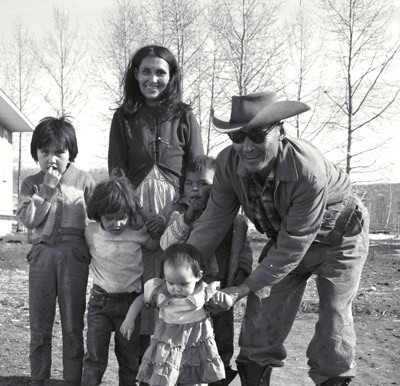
(156, 225)
(137, 222)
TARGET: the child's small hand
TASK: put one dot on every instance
(223, 299)
(240, 277)
(127, 328)
(194, 211)
(219, 302)
(52, 177)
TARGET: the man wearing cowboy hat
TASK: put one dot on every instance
(313, 225)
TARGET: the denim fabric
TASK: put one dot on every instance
(224, 334)
(106, 312)
(57, 271)
(267, 322)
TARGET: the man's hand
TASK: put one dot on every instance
(52, 177)
(237, 292)
(193, 212)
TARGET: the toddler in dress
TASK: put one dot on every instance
(183, 350)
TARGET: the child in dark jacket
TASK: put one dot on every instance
(233, 259)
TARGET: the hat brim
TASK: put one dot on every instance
(226, 127)
(269, 115)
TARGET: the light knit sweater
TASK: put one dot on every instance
(116, 263)
(53, 212)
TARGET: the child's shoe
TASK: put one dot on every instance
(229, 375)
(37, 383)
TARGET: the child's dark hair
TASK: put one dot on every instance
(114, 196)
(54, 130)
(183, 254)
(201, 163)
(171, 99)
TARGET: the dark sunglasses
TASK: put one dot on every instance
(256, 136)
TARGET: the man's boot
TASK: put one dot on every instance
(252, 374)
(336, 381)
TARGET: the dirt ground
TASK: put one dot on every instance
(377, 316)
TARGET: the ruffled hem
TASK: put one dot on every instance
(164, 374)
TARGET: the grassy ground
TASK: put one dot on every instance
(376, 309)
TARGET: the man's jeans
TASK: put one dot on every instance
(268, 321)
(57, 271)
(106, 312)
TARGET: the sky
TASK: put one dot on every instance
(37, 14)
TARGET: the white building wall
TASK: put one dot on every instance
(6, 179)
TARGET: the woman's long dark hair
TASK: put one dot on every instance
(171, 104)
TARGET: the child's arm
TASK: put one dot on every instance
(89, 188)
(35, 203)
(245, 263)
(128, 325)
(152, 243)
(241, 257)
(176, 232)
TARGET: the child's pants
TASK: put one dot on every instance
(106, 312)
(57, 271)
(224, 335)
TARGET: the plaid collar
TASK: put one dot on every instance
(261, 202)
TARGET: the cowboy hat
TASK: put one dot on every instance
(258, 109)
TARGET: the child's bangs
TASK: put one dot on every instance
(119, 209)
(118, 204)
(54, 139)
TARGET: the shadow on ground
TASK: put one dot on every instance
(22, 381)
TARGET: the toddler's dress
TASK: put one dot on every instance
(182, 349)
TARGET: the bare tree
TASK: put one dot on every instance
(179, 25)
(364, 91)
(209, 96)
(125, 29)
(63, 56)
(20, 73)
(302, 73)
(247, 32)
